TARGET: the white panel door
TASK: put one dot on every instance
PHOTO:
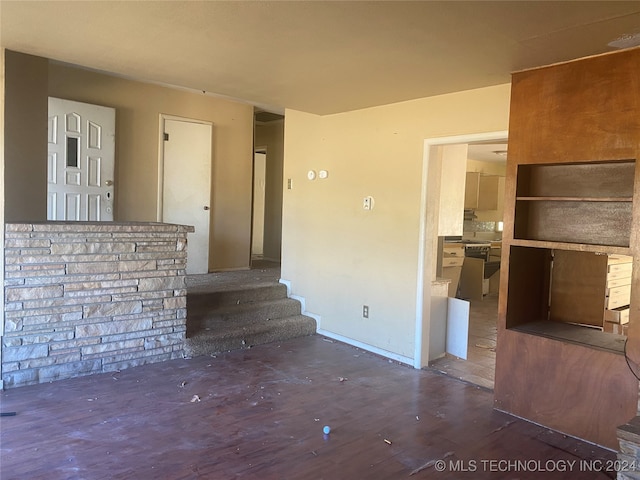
(186, 187)
(81, 159)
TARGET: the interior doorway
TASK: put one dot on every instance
(478, 276)
(259, 184)
(185, 183)
(268, 189)
(428, 258)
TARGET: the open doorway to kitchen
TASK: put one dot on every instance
(468, 258)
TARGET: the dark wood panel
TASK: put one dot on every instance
(578, 288)
(577, 111)
(528, 285)
(575, 389)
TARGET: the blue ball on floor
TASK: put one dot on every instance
(326, 429)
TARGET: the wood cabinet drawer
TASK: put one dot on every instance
(619, 297)
(452, 261)
(620, 316)
(618, 270)
(618, 282)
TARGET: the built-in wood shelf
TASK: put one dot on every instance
(583, 203)
(566, 332)
(581, 247)
(575, 199)
(601, 179)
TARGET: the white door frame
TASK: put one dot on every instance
(428, 236)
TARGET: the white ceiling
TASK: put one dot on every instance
(488, 152)
(319, 57)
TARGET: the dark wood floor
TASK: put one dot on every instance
(259, 413)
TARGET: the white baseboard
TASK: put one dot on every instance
(287, 283)
(303, 304)
(367, 347)
(341, 338)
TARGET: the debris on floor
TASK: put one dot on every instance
(503, 426)
(195, 398)
(430, 463)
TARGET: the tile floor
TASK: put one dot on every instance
(479, 368)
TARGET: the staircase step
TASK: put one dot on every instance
(226, 315)
(237, 295)
(238, 335)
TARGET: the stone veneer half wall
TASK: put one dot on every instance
(89, 297)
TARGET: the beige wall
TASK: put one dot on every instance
(340, 257)
(26, 137)
(2, 201)
(271, 136)
(138, 106)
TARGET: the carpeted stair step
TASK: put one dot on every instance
(225, 316)
(245, 334)
(236, 295)
(236, 317)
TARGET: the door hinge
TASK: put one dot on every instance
(166, 137)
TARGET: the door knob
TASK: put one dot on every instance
(206, 207)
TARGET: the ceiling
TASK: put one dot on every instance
(488, 152)
(313, 56)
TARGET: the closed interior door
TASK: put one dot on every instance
(81, 159)
(186, 191)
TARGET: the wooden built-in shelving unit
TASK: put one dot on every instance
(582, 203)
(571, 215)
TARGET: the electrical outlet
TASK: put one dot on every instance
(367, 203)
(289, 184)
(365, 311)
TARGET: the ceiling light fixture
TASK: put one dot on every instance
(627, 40)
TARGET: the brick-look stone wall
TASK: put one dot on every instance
(82, 298)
